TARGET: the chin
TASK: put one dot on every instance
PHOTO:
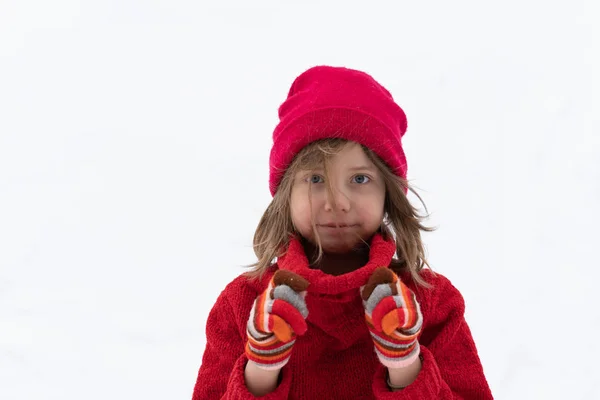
(342, 246)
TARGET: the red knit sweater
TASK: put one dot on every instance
(335, 358)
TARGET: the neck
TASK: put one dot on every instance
(336, 264)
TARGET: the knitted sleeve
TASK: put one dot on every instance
(451, 365)
(221, 374)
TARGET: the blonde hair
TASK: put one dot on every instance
(401, 220)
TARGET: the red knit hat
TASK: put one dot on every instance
(335, 102)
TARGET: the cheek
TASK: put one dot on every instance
(372, 209)
(300, 211)
(373, 215)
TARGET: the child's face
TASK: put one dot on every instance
(352, 213)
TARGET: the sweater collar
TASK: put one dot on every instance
(380, 255)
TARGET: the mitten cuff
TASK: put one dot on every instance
(269, 358)
(398, 360)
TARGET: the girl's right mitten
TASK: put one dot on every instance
(277, 317)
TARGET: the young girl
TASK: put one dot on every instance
(340, 304)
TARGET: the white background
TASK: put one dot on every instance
(134, 141)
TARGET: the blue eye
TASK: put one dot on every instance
(361, 179)
(315, 179)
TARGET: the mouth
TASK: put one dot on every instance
(336, 226)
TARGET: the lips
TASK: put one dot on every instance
(334, 225)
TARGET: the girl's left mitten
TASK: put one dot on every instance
(393, 317)
(277, 317)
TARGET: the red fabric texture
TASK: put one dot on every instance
(335, 358)
(336, 102)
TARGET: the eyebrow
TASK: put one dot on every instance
(355, 168)
(362, 167)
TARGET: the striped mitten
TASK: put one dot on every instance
(394, 318)
(277, 316)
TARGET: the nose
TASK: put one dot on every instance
(337, 200)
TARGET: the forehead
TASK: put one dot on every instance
(349, 154)
(352, 151)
